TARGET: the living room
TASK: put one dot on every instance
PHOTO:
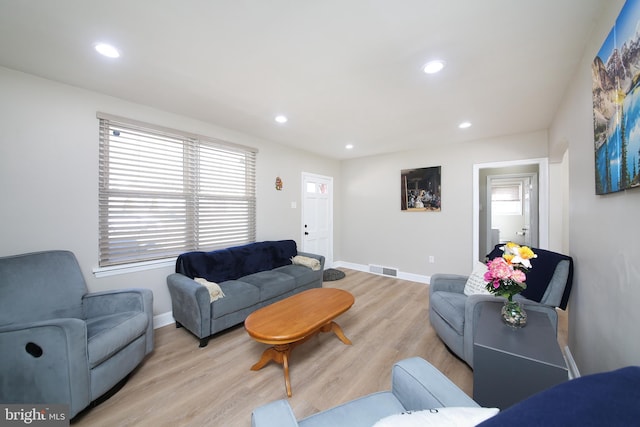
(48, 180)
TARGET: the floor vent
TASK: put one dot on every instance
(385, 271)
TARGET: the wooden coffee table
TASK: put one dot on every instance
(291, 321)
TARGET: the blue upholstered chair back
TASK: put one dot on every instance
(550, 279)
(40, 286)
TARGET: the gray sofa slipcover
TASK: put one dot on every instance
(250, 276)
(415, 385)
(61, 344)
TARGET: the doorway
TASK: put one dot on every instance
(531, 176)
(317, 215)
(512, 209)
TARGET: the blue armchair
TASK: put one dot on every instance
(453, 314)
(415, 385)
(61, 344)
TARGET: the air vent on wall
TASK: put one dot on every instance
(385, 271)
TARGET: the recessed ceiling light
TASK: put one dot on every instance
(464, 125)
(107, 50)
(434, 66)
(281, 119)
(349, 146)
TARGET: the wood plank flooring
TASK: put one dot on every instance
(180, 384)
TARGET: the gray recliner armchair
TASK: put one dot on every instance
(415, 385)
(61, 344)
(454, 314)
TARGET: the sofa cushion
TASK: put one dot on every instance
(450, 307)
(303, 275)
(237, 295)
(439, 417)
(271, 283)
(109, 334)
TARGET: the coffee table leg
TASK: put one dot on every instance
(280, 354)
(333, 326)
(285, 366)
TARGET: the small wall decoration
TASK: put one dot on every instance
(278, 183)
(420, 189)
(616, 104)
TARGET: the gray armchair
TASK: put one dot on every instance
(61, 344)
(454, 314)
(415, 385)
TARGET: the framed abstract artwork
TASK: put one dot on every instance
(420, 189)
(616, 104)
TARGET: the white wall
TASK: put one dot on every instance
(603, 232)
(376, 231)
(49, 175)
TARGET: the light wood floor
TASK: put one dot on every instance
(180, 384)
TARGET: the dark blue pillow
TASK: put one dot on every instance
(605, 399)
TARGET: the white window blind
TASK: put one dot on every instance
(506, 199)
(164, 192)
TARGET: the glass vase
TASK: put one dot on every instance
(513, 314)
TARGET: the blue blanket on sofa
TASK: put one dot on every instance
(232, 263)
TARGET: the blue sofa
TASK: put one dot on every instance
(603, 399)
(250, 276)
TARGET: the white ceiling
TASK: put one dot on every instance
(343, 71)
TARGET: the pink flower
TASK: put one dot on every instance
(518, 276)
(498, 268)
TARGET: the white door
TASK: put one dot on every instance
(317, 216)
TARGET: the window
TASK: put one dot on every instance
(164, 192)
(506, 199)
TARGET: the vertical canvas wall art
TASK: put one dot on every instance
(616, 104)
(420, 189)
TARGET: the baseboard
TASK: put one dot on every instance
(163, 319)
(571, 363)
(365, 268)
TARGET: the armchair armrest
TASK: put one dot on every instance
(419, 385)
(119, 301)
(318, 257)
(274, 414)
(45, 362)
(447, 283)
(191, 304)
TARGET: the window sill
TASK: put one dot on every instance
(114, 270)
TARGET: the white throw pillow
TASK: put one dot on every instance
(309, 262)
(476, 283)
(440, 417)
(214, 289)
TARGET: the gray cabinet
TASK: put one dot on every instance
(513, 364)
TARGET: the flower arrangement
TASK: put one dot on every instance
(506, 274)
